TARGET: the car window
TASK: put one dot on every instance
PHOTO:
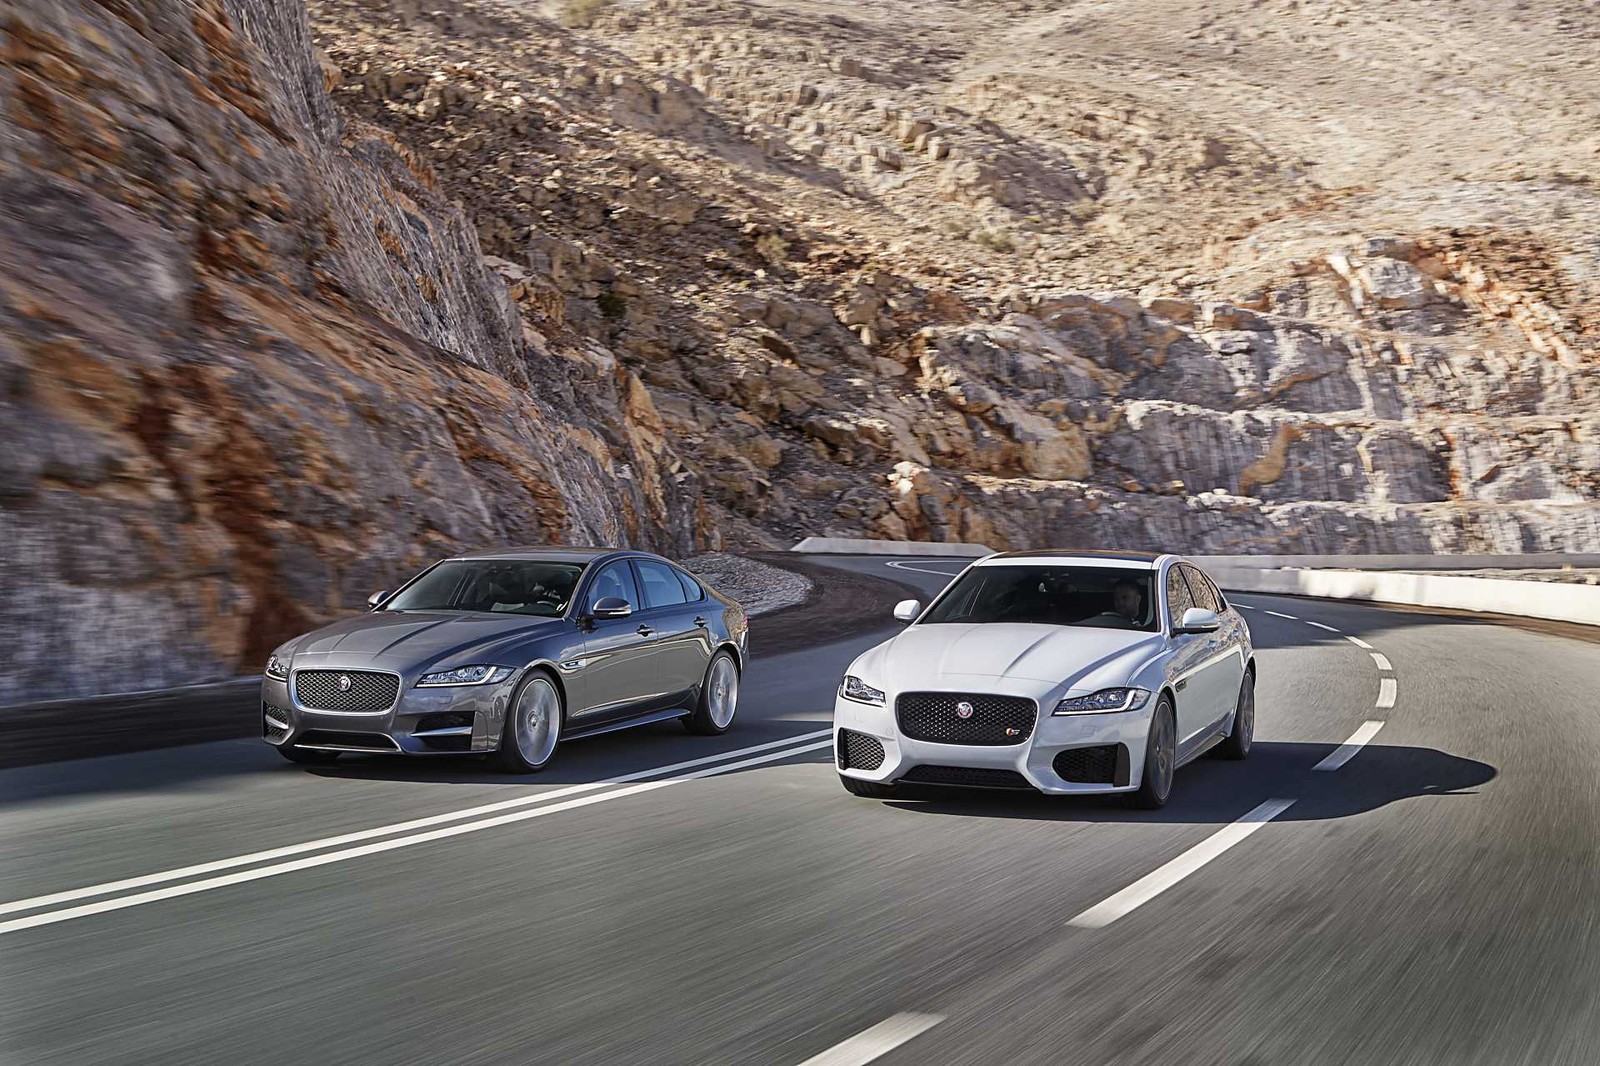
(691, 587)
(492, 586)
(1179, 598)
(661, 586)
(1204, 595)
(616, 579)
(1093, 597)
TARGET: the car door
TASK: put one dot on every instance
(683, 644)
(1222, 666)
(1188, 653)
(620, 677)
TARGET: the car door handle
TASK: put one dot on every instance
(644, 631)
(701, 622)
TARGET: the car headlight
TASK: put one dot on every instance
(277, 669)
(1106, 700)
(856, 689)
(465, 675)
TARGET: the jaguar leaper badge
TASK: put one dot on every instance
(963, 709)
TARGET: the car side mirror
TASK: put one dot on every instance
(611, 607)
(907, 610)
(377, 598)
(1199, 620)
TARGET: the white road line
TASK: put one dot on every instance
(123, 902)
(382, 830)
(1358, 642)
(1319, 625)
(1159, 880)
(1247, 607)
(1387, 690)
(1347, 751)
(878, 1040)
(1280, 614)
(1381, 659)
(923, 569)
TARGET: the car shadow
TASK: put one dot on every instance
(1219, 792)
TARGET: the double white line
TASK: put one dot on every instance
(471, 820)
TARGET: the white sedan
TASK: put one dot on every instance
(1065, 672)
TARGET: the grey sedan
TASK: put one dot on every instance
(509, 653)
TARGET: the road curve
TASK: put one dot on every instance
(1424, 897)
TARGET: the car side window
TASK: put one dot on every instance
(1204, 595)
(614, 579)
(691, 587)
(1179, 599)
(661, 585)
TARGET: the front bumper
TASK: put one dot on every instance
(1035, 759)
(423, 721)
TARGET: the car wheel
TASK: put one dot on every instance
(719, 698)
(870, 789)
(1237, 743)
(1160, 759)
(533, 726)
(306, 756)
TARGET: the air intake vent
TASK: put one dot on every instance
(274, 722)
(965, 777)
(857, 751)
(1106, 764)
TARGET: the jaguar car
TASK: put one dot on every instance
(1064, 672)
(509, 653)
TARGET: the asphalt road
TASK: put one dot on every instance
(1430, 900)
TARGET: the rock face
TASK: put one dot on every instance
(711, 271)
(254, 363)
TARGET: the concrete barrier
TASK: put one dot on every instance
(850, 546)
(1560, 601)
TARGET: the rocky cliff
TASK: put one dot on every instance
(290, 307)
(254, 364)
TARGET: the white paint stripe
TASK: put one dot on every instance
(1347, 751)
(1280, 614)
(1358, 642)
(1247, 607)
(1319, 625)
(380, 831)
(880, 1039)
(1158, 881)
(1387, 691)
(124, 902)
(1381, 659)
(923, 569)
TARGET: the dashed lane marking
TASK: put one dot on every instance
(1319, 625)
(1164, 877)
(1381, 659)
(1358, 642)
(1387, 690)
(1280, 614)
(1348, 750)
(876, 1041)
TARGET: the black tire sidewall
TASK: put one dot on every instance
(700, 722)
(1145, 795)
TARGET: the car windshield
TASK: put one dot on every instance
(497, 586)
(1090, 596)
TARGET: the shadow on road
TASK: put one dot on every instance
(1210, 791)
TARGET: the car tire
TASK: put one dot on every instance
(719, 698)
(533, 726)
(306, 756)
(866, 789)
(1236, 745)
(1160, 759)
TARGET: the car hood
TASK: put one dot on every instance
(399, 639)
(934, 656)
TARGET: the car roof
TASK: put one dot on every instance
(550, 553)
(1090, 556)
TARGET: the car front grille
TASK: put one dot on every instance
(965, 777)
(936, 717)
(327, 690)
(274, 722)
(1105, 764)
(857, 751)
